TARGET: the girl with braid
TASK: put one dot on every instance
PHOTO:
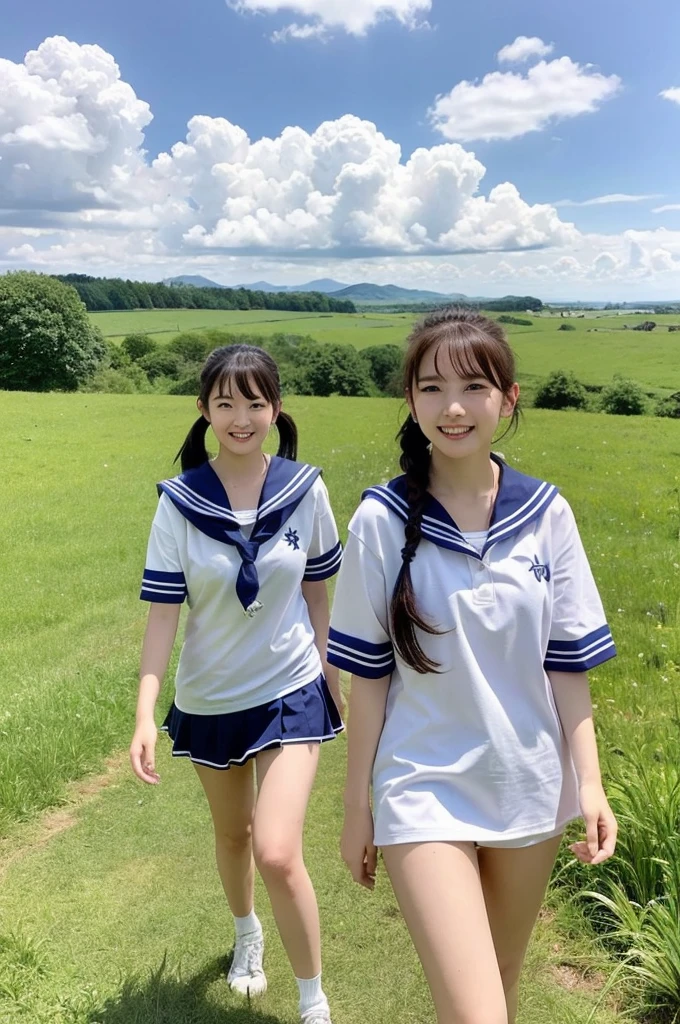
(248, 540)
(468, 616)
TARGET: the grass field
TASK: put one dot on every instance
(597, 348)
(87, 918)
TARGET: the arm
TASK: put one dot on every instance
(368, 698)
(161, 630)
(315, 594)
(572, 697)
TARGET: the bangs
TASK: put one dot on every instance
(247, 373)
(469, 356)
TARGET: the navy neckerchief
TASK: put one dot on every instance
(520, 500)
(199, 495)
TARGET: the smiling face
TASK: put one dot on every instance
(239, 421)
(457, 411)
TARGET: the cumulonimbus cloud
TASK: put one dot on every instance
(71, 142)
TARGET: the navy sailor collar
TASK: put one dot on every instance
(199, 495)
(521, 499)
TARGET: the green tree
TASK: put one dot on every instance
(623, 397)
(336, 370)
(561, 390)
(137, 346)
(384, 363)
(47, 342)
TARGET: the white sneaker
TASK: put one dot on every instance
(317, 1017)
(245, 974)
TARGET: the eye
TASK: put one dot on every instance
(258, 405)
(223, 405)
(429, 388)
(476, 386)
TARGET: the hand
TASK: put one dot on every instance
(601, 827)
(143, 753)
(356, 845)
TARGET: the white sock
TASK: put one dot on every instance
(245, 925)
(311, 994)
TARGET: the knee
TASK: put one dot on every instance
(234, 841)
(277, 861)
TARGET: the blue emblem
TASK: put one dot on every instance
(292, 538)
(541, 572)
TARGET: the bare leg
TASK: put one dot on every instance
(439, 890)
(514, 884)
(285, 778)
(231, 797)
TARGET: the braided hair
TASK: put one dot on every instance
(476, 346)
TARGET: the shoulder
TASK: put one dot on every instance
(381, 514)
(167, 516)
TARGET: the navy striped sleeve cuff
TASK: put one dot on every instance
(580, 655)
(325, 566)
(163, 587)
(370, 661)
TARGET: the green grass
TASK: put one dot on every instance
(86, 921)
(597, 348)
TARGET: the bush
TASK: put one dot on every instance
(162, 363)
(47, 341)
(669, 406)
(561, 390)
(336, 370)
(138, 345)
(519, 320)
(128, 380)
(188, 384)
(623, 397)
(191, 347)
(566, 327)
(383, 362)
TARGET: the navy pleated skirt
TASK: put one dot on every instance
(307, 715)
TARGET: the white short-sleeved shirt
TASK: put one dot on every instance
(231, 661)
(475, 752)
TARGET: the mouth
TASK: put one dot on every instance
(455, 433)
(241, 436)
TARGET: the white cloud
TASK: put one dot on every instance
(671, 94)
(353, 16)
(666, 208)
(71, 131)
(522, 49)
(614, 197)
(505, 105)
(295, 31)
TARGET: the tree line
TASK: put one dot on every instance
(101, 294)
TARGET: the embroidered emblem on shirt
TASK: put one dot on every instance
(292, 538)
(541, 572)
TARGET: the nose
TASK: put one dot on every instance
(455, 408)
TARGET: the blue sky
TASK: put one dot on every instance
(580, 118)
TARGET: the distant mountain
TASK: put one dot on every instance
(366, 292)
(323, 284)
(195, 280)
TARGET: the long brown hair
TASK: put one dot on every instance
(240, 364)
(476, 346)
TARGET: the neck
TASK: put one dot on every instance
(470, 477)
(240, 467)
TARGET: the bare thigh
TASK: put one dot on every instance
(231, 798)
(439, 889)
(285, 777)
(514, 884)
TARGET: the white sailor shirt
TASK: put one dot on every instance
(476, 751)
(248, 637)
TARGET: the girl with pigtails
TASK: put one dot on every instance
(467, 614)
(249, 542)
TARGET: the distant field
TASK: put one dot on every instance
(597, 348)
